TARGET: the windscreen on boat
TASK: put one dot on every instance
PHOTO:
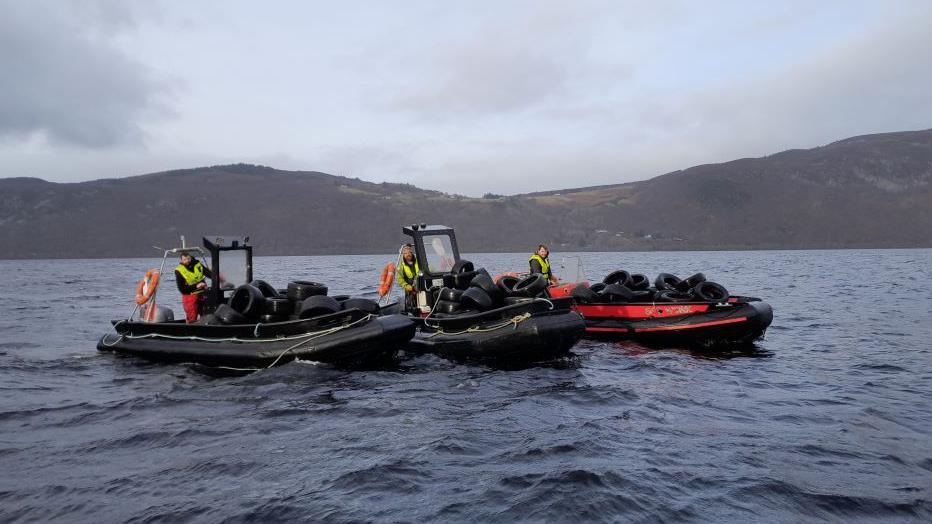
(439, 250)
(233, 267)
(571, 270)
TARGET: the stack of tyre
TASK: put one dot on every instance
(468, 290)
(260, 302)
(622, 287)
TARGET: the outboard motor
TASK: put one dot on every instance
(163, 314)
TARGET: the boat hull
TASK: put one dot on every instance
(735, 323)
(345, 338)
(533, 332)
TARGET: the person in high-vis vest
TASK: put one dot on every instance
(190, 275)
(540, 264)
(406, 276)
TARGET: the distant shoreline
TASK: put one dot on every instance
(555, 253)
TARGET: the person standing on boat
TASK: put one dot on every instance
(190, 275)
(406, 276)
(540, 264)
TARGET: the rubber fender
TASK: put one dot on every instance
(710, 292)
(446, 307)
(227, 315)
(302, 289)
(618, 277)
(277, 306)
(672, 295)
(583, 295)
(476, 297)
(462, 280)
(639, 282)
(507, 284)
(666, 281)
(530, 286)
(690, 282)
(485, 283)
(617, 293)
(450, 294)
(363, 304)
(462, 266)
(248, 301)
(318, 305)
(267, 290)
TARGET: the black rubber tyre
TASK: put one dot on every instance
(267, 290)
(666, 281)
(277, 306)
(598, 287)
(248, 301)
(446, 307)
(462, 266)
(710, 292)
(617, 293)
(690, 282)
(340, 298)
(583, 295)
(318, 305)
(672, 295)
(462, 280)
(363, 304)
(530, 286)
(642, 295)
(507, 284)
(450, 294)
(271, 319)
(449, 280)
(485, 283)
(621, 277)
(475, 297)
(639, 282)
(227, 315)
(302, 289)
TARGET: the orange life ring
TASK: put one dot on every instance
(146, 287)
(388, 276)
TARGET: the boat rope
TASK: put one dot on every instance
(119, 338)
(303, 337)
(307, 338)
(514, 321)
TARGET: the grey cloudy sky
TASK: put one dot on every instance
(465, 97)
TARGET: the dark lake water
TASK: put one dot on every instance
(829, 419)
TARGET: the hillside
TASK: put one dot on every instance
(868, 191)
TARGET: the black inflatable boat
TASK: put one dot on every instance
(461, 314)
(250, 325)
(349, 337)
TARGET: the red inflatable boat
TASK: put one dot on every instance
(739, 320)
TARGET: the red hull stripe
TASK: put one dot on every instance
(640, 311)
(670, 328)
